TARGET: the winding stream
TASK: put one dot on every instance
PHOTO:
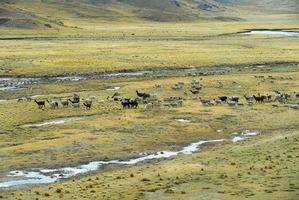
(13, 83)
(52, 122)
(272, 32)
(43, 176)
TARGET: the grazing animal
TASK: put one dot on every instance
(283, 94)
(223, 98)
(129, 103)
(194, 91)
(125, 103)
(53, 104)
(205, 101)
(173, 101)
(74, 104)
(41, 104)
(196, 87)
(281, 97)
(269, 97)
(76, 98)
(259, 99)
(149, 106)
(235, 99)
(72, 101)
(64, 103)
(87, 103)
(263, 97)
(143, 95)
(180, 102)
(115, 97)
(248, 98)
(133, 103)
(116, 94)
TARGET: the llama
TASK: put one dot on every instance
(53, 104)
(74, 104)
(76, 98)
(64, 103)
(235, 99)
(143, 95)
(41, 104)
(125, 103)
(223, 98)
(73, 101)
(269, 97)
(205, 102)
(129, 103)
(248, 98)
(87, 103)
(115, 97)
(133, 103)
(194, 91)
(259, 99)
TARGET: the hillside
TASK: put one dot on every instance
(278, 6)
(51, 13)
(56, 13)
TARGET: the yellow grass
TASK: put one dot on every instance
(153, 45)
(225, 171)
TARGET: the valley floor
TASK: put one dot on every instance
(261, 167)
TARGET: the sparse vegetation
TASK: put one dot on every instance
(170, 109)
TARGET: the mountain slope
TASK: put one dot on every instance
(53, 12)
(287, 6)
(57, 13)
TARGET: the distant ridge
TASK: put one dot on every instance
(54, 13)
